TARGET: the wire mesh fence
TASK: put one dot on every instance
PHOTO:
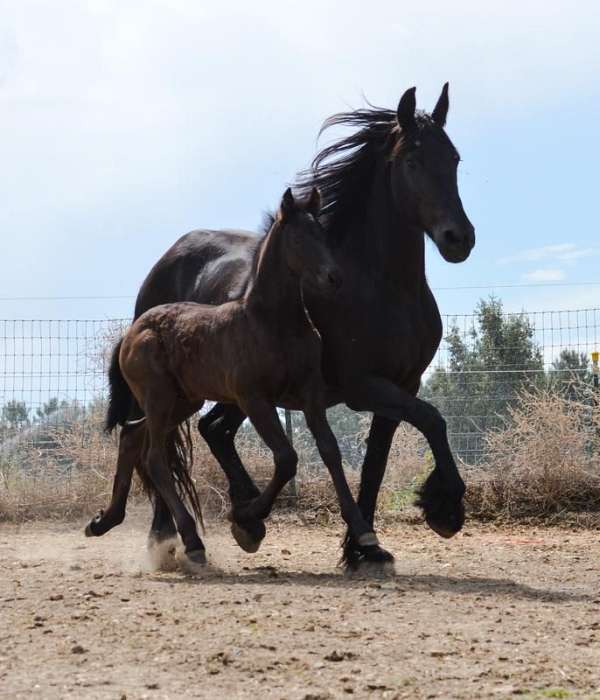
(53, 380)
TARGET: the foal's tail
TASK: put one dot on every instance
(180, 457)
(121, 405)
(120, 401)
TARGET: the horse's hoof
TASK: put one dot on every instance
(194, 562)
(440, 529)
(249, 541)
(372, 569)
(162, 554)
(371, 561)
(444, 511)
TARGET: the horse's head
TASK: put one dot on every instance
(306, 251)
(423, 176)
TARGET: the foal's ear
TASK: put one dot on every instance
(440, 111)
(406, 109)
(288, 203)
(313, 204)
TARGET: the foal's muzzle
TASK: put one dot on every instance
(330, 280)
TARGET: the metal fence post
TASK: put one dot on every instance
(293, 488)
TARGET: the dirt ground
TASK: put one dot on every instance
(491, 614)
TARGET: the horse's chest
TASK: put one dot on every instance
(394, 340)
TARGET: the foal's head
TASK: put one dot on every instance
(423, 177)
(305, 243)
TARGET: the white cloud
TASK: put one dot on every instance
(544, 275)
(560, 252)
(532, 254)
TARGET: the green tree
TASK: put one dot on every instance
(15, 414)
(485, 370)
(49, 407)
(570, 373)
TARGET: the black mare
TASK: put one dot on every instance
(384, 187)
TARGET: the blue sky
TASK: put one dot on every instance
(125, 124)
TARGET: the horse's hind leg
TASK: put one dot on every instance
(131, 441)
(265, 419)
(218, 428)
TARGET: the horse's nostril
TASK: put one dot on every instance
(334, 279)
(451, 238)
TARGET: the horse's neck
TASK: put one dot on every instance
(275, 291)
(384, 244)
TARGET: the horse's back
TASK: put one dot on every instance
(203, 266)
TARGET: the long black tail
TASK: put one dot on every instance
(120, 399)
(180, 458)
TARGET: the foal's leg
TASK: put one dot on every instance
(265, 419)
(361, 530)
(163, 528)
(157, 466)
(130, 452)
(373, 469)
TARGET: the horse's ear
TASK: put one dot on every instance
(313, 205)
(440, 111)
(406, 109)
(288, 203)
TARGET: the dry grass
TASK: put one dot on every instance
(69, 474)
(74, 478)
(544, 465)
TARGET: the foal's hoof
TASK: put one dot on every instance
(162, 554)
(250, 536)
(194, 562)
(91, 529)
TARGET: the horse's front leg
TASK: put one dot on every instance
(441, 496)
(379, 442)
(360, 529)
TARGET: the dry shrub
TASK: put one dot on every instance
(72, 477)
(65, 475)
(543, 464)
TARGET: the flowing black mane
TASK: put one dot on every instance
(343, 171)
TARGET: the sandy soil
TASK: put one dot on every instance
(490, 614)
